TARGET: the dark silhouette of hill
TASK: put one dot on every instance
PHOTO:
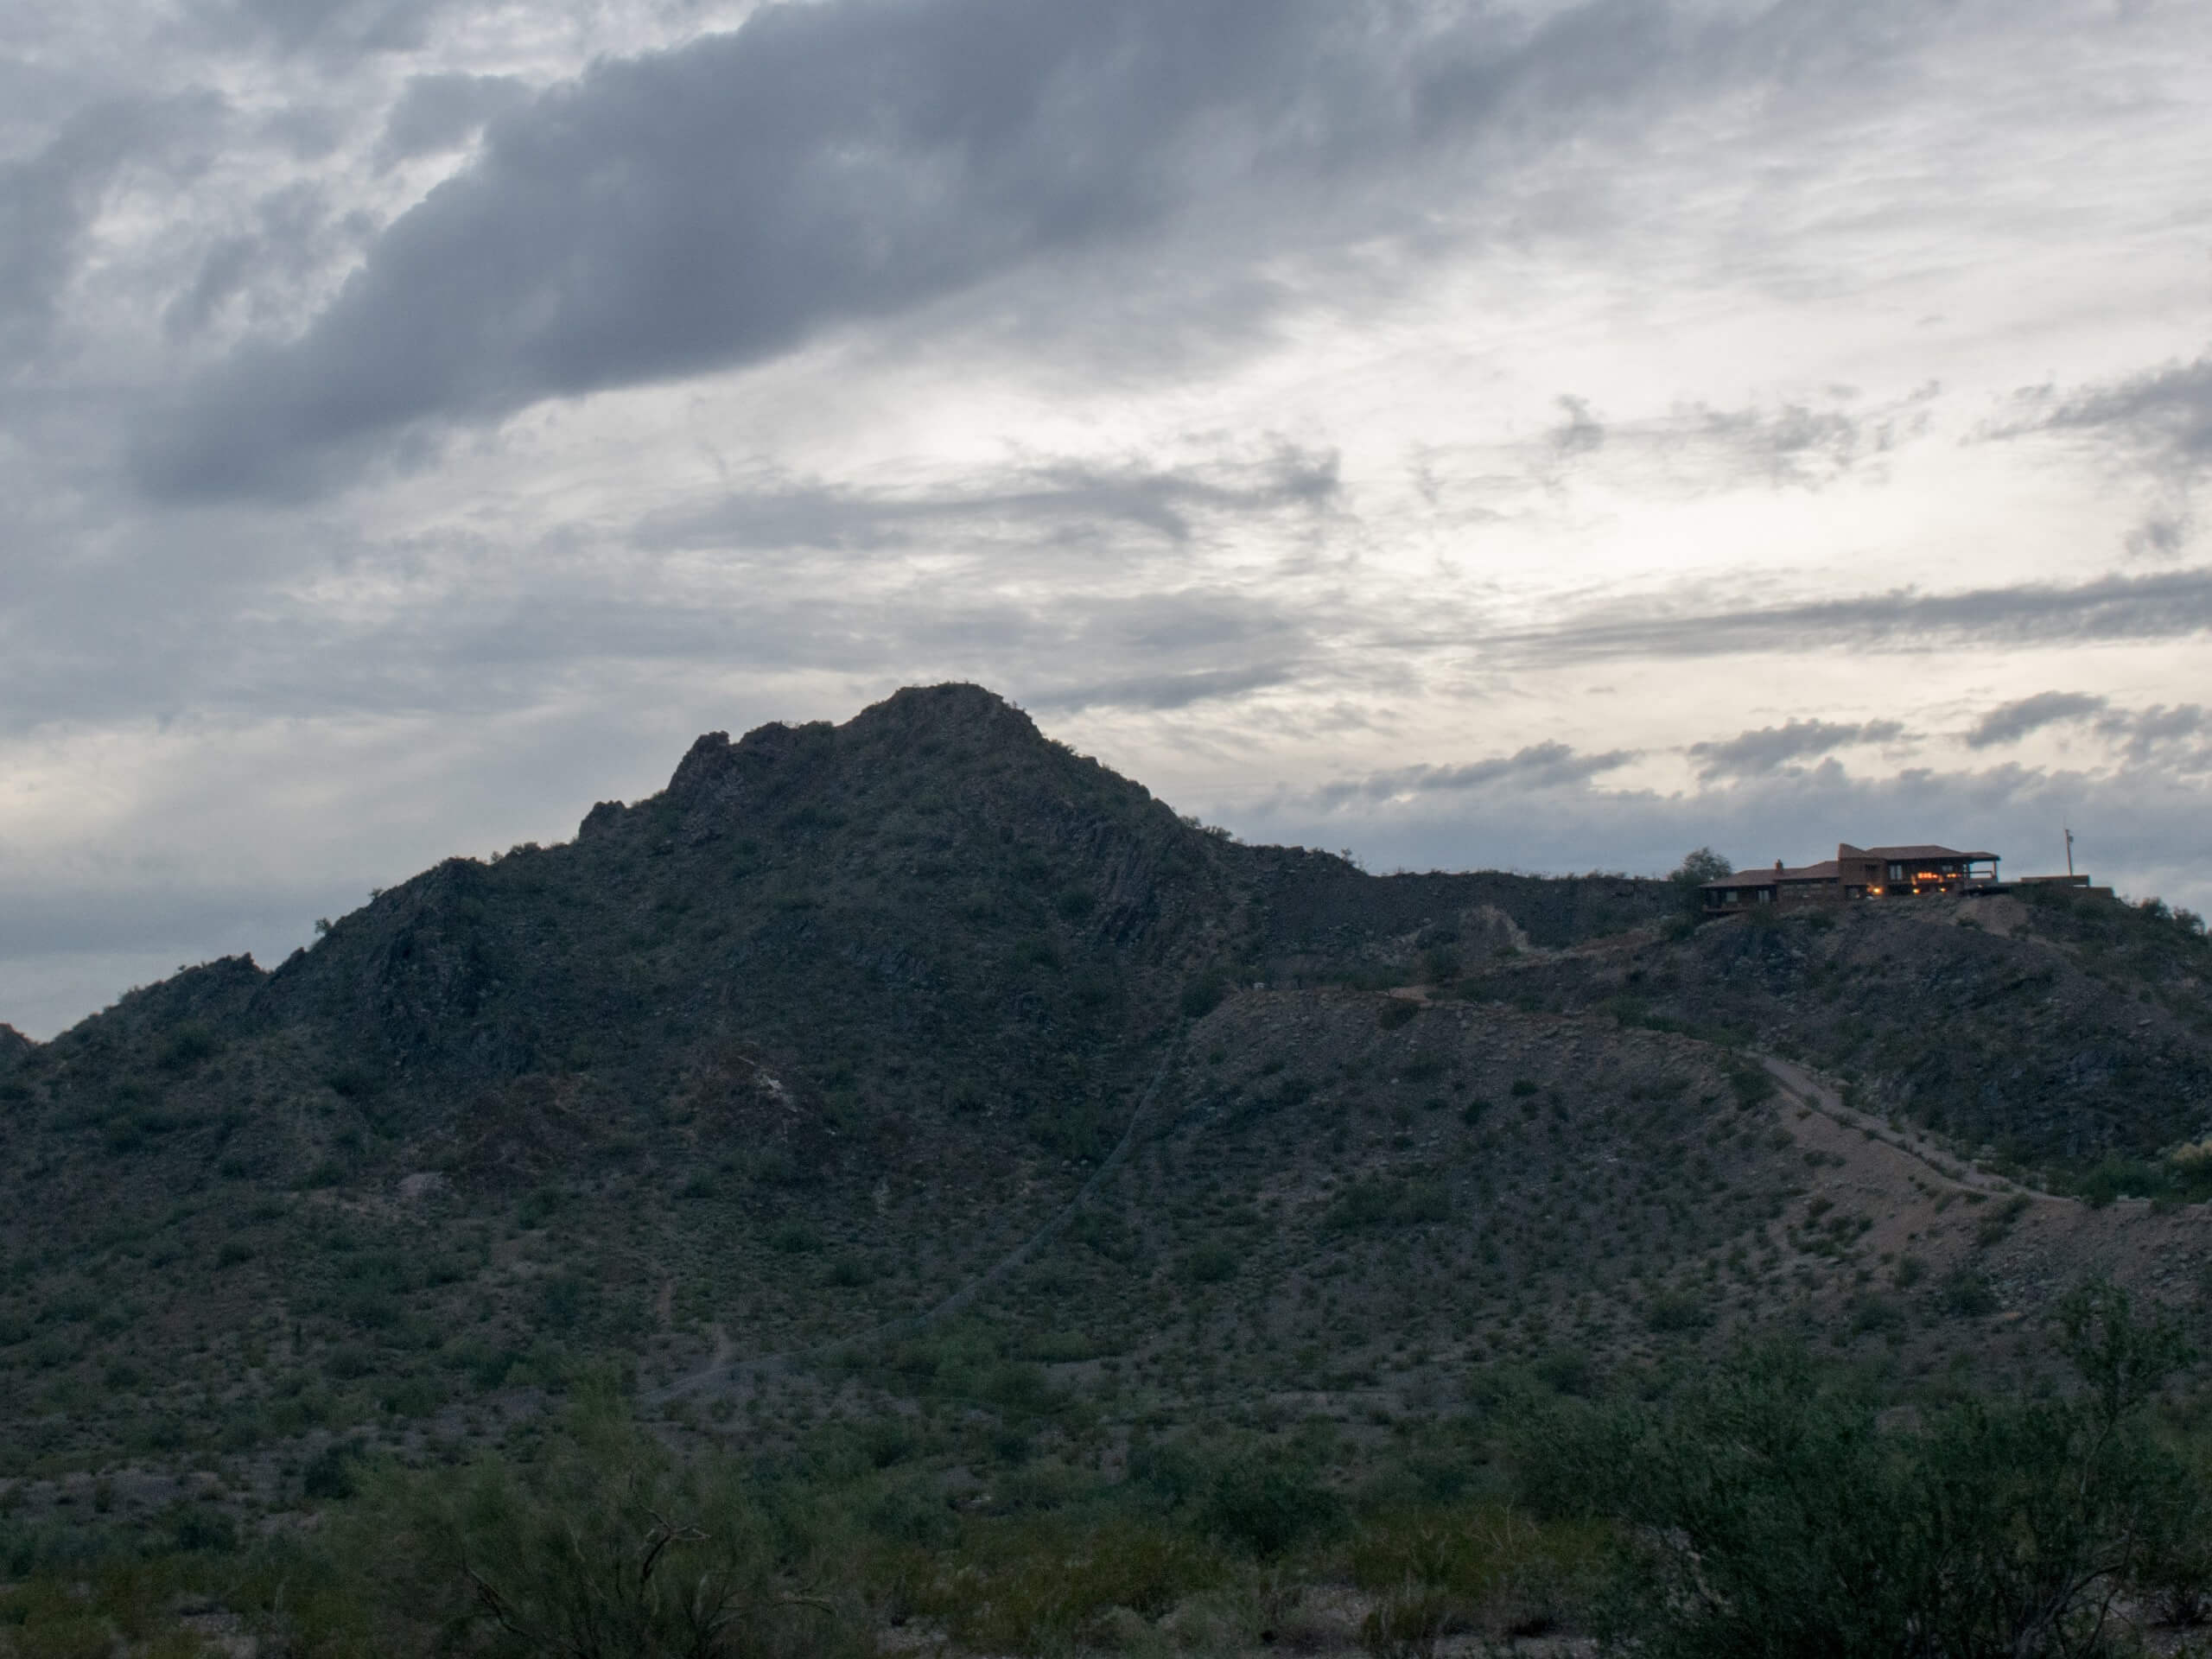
(725, 1094)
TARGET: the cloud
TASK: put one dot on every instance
(1164, 691)
(1548, 766)
(49, 200)
(1581, 433)
(2179, 738)
(1081, 496)
(2164, 415)
(849, 160)
(2152, 844)
(335, 29)
(441, 112)
(2167, 605)
(2012, 722)
(1698, 446)
(1771, 747)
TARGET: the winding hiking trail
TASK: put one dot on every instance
(725, 1364)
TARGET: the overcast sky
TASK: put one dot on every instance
(1544, 435)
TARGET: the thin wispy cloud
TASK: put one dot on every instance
(2168, 605)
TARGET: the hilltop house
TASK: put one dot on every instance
(1857, 873)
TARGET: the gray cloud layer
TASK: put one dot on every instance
(1771, 747)
(2170, 604)
(1063, 497)
(2014, 720)
(2165, 413)
(831, 162)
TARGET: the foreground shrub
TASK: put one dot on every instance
(1769, 1512)
(1488, 1568)
(604, 1548)
(1033, 1589)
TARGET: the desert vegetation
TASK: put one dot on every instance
(903, 1187)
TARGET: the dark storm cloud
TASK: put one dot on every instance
(1084, 496)
(335, 28)
(444, 112)
(850, 160)
(2012, 722)
(2171, 605)
(48, 201)
(1771, 747)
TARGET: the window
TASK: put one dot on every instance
(1896, 871)
(1765, 895)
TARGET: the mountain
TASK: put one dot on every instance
(920, 1059)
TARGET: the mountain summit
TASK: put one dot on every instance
(924, 1022)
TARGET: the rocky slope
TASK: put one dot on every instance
(919, 1057)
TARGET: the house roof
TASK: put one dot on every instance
(1910, 854)
(1831, 869)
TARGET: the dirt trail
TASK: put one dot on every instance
(1802, 1083)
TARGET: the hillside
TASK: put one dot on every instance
(920, 1064)
(2059, 1037)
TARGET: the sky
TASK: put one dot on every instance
(1548, 436)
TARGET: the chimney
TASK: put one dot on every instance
(1777, 866)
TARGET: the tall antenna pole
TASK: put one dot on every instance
(2070, 852)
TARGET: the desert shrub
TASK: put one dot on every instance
(1367, 1204)
(1567, 1371)
(795, 1238)
(1769, 1511)
(603, 1546)
(1266, 1502)
(1203, 995)
(187, 1046)
(1397, 1011)
(537, 1208)
(1209, 1264)
(2115, 1176)
(1872, 1315)
(1488, 1568)
(1678, 1311)
(350, 1082)
(1751, 1084)
(1045, 1588)
(333, 1472)
(1994, 1226)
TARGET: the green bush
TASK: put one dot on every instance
(1266, 1505)
(186, 1047)
(1768, 1511)
(603, 1546)
(1209, 1264)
